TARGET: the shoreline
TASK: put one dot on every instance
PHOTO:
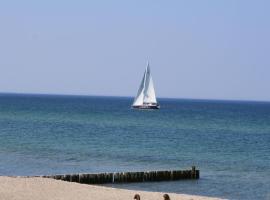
(36, 188)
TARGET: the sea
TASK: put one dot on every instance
(228, 141)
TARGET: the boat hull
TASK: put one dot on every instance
(145, 107)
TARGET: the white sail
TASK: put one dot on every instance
(140, 94)
(149, 91)
(146, 93)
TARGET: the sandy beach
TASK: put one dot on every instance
(20, 188)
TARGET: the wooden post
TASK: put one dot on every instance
(193, 172)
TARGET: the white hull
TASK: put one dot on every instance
(147, 106)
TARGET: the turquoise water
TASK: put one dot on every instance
(229, 141)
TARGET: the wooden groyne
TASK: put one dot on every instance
(129, 177)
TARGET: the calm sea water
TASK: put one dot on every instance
(228, 141)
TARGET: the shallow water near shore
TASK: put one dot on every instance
(227, 140)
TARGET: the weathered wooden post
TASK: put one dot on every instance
(193, 172)
(74, 178)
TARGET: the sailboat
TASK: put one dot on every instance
(146, 97)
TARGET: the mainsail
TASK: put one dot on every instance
(146, 93)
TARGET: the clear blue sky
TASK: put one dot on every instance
(197, 49)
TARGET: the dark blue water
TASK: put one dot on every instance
(228, 141)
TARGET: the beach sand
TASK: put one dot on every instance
(21, 188)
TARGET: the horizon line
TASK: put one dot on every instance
(124, 96)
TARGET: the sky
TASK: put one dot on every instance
(197, 49)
